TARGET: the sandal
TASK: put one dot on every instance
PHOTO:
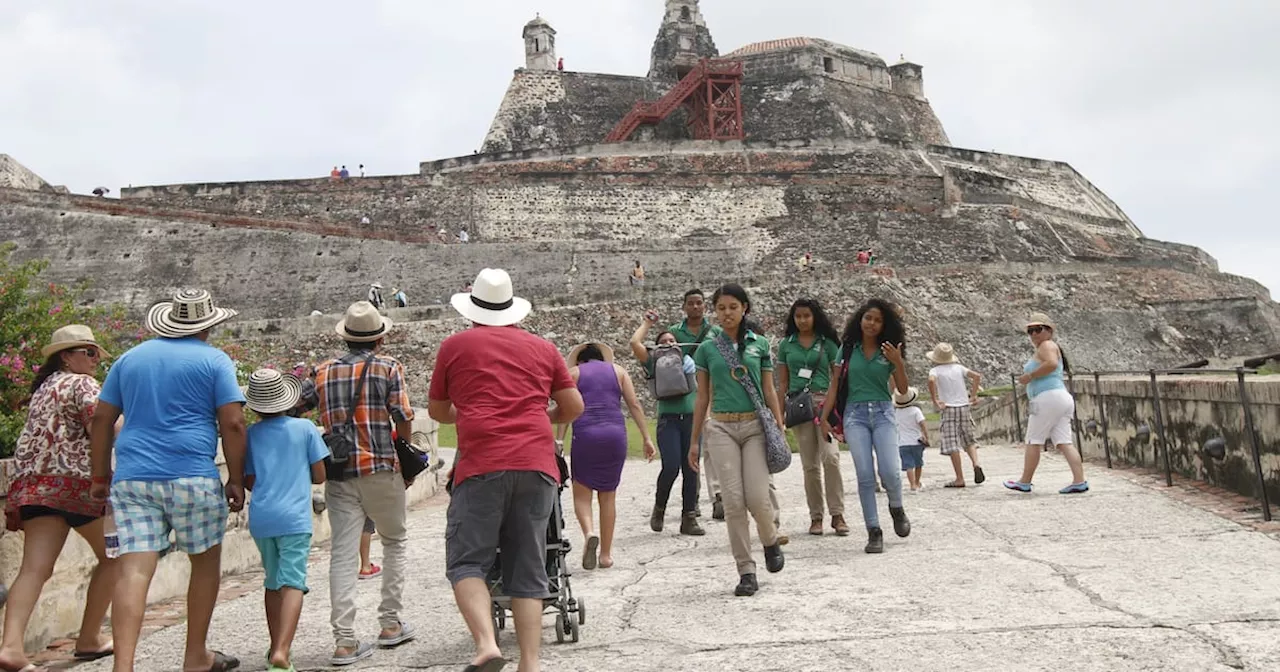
(362, 650)
(589, 552)
(954, 484)
(222, 662)
(491, 665)
(86, 656)
(406, 633)
(29, 667)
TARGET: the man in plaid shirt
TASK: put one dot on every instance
(371, 485)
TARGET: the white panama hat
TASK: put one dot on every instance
(363, 323)
(491, 301)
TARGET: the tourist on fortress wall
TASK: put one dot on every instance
(335, 174)
(728, 412)
(1051, 406)
(808, 348)
(178, 394)
(494, 381)
(675, 429)
(690, 333)
(637, 276)
(50, 496)
(366, 388)
(949, 387)
(600, 444)
(285, 456)
(913, 435)
(375, 295)
(871, 359)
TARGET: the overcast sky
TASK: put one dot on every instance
(1170, 107)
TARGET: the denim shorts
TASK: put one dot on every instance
(194, 509)
(912, 456)
(284, 559)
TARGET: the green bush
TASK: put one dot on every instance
(30, 311)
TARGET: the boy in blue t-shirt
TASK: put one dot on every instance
(286, 455)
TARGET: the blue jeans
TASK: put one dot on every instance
(872, 433)
(674, 435)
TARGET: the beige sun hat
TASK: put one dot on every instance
(1039, 320)
(71, 336)
(942, 353)
(190, 312)
(363, 323)
(270, 391)
(572, 357)
(491, 301)
(905, 399)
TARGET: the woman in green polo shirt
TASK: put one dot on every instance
(735, 435)
(871, 357)
(808, 349)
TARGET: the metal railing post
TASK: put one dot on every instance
(1163, 445)
(1017, 411)
(1102, 413)
(1253, 444)
(1075, 414)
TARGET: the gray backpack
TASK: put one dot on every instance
(668, 380)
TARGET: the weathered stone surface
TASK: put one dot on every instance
(14, 175)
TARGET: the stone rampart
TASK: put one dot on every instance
(1195, 409)
(14, 175)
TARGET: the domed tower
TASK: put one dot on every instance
(539, 45)
(683, 39)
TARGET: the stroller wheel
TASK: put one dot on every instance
(582, 611)
(573, 631)
(560, 628)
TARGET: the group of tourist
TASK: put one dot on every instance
(139, 453)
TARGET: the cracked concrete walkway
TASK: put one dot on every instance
(1122, 578)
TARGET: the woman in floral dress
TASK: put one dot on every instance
(50, 494)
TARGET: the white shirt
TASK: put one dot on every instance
(953, 386)
(464, 237)
(909, 420)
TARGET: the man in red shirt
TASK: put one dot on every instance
(493, 381)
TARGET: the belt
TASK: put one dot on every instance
(734, 417)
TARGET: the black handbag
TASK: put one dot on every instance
(341, 439)
(800, 406)
(412, 460)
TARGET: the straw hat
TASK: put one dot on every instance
(902, 400)
(363, 323)
(1039, 320)
(270, 391)
(71, 336)
(491, 301)
(942, 353)
(572, 357)
(190, 312)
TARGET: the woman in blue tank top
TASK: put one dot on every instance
(1051, 408)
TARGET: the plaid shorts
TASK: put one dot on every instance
(957, 429)
(194, 509)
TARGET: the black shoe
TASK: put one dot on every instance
(773, 558)
(689, 526)
(717, 509)
(901, 526)
(747, 586)
(656, 518)
(875, 540)
(979, 475)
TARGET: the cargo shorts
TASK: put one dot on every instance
(510, 510)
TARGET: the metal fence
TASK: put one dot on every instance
(1213, 450)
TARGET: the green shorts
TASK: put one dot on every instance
(285, 561)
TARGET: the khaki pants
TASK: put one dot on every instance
(709, 466)
(737, 450)
(379, 497)
(820, 458)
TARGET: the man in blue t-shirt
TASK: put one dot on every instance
(178, 394)
(285, 457)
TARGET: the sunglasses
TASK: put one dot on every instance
(91, 353)
(1031, 331)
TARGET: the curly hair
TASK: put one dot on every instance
(821, 323)
(892, 332)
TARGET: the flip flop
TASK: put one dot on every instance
(86, 656)
(979, 475)
(222, 662)
(29, 667)
(491, 665)
(953, 484)
(589, 553)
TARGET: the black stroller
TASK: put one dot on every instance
(570, 612)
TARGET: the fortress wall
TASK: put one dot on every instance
(14, 175)
(273, 273)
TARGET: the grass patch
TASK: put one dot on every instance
(995, 391)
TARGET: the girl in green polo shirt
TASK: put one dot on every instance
(871, 357)
(735, 436)
(808, 349)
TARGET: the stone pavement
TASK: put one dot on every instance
(1122, 578)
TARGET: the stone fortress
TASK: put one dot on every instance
(840, 151)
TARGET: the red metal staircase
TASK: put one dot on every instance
(712, 92)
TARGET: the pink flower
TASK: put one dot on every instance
(35, 367)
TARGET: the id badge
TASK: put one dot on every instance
(805, 373)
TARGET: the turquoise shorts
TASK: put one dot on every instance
(285, 561)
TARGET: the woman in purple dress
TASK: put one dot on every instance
(599, 446)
